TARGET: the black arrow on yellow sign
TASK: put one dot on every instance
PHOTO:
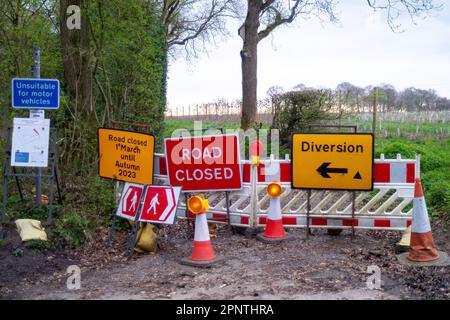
(324, 171)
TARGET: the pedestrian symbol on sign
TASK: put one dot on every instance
(129, 202)
(132, 207)
(160, 204)
(153, 203)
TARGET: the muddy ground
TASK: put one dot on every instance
(322, 267)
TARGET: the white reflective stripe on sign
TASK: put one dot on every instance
(405, 192)
(398, 223)
(398, 172)
(301, 221)
(235, 219)
(365, 222)
(272, 171)
(421, 222)
(169, 206)
(335, 222)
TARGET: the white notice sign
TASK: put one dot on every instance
(30, 142)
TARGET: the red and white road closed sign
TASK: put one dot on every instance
(204, 163)
(160, 204)
(130, 200)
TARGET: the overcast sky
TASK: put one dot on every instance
(360, 49)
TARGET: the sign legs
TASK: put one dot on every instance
(353, 214)
(227, 200)
(308, 212)
(111, 230)
(5, 198)
(19, 188)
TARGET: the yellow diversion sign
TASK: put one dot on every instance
(332, 161)
(126, 155)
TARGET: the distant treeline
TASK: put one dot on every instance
(346, 98)
(385, 96)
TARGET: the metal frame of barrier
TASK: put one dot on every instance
(383, 208)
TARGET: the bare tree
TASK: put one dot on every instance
(394, 8)
(264, 16)
(191, 24)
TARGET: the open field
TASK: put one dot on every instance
(412, 125)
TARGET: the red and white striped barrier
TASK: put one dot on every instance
(387, 207)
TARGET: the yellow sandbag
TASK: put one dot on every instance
(146, 239)
(30, 229)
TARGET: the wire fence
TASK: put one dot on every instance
(220, 110)
(433, 124)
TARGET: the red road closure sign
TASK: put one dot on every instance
(204, 163)
(160, 204)
(130, 200)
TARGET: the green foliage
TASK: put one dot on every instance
(26, 212)
(89, 205)
(39, 244)
(295, 111)
(131, 58)
(392, 148)
(128, 58)
(73, 228)
(435, 169)
(26, 209)
(18, 252)
(19, 36)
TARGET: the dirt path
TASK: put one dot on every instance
(323, 267)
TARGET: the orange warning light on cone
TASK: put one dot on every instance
(274, 231)
(274, 189)
(202, 252)
(198, 204)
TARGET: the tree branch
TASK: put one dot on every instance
(415, 8)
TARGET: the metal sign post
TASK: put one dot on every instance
(327, 172)
(35, 94)
(308, 212)
(136, 226)
(37, 75)
(10, 171)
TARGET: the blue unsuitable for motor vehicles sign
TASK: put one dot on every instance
(35, 93)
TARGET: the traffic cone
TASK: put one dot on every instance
(422, 246)
(274, 231)
(202, 253)
(422, 250)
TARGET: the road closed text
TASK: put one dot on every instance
(205, 174)
(207, 163)
(126, 155)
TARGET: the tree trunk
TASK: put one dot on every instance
(249, 55)
(76, 58)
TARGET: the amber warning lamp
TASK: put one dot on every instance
(198, 204)
(256, 148)
(274, 189)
